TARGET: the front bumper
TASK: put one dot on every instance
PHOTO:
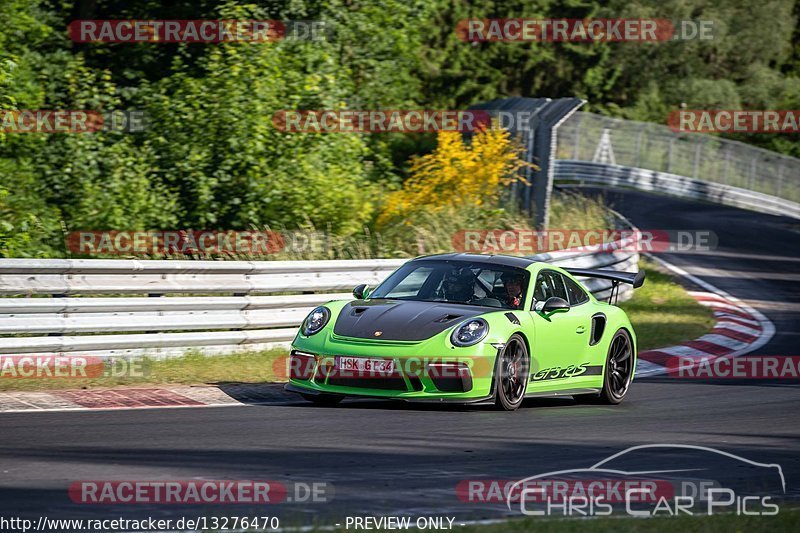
(451, 377)
(290, 387)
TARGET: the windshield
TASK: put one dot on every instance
(462, 282)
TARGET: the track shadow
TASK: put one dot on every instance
(270, 394)
(266, 393)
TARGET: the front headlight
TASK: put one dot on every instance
(470, 332)
(315, 321)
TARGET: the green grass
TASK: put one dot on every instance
(663, 314)
(245, 367)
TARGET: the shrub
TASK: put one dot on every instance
(457, 174)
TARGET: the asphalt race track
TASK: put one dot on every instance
(758, 258)
(386, 459)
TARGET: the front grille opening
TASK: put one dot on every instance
(369, 382)
(450, 377)
(416, 383)
(301, 366)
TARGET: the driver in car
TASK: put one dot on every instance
(459, 285)
(512, 282)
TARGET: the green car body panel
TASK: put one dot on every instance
(564, 358)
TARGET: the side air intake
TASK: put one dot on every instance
(598, 327)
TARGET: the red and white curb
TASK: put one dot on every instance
(739, 329)
(142, 398)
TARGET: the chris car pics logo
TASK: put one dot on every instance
(654, 480)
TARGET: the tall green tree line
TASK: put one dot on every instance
(211, 158)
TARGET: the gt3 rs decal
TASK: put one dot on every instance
(571, 371)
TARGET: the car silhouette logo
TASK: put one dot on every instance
(608, 467)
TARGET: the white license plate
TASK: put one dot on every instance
(361, 364)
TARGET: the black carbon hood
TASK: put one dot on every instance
(400, 320)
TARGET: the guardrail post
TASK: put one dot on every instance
(696, 166)
(577, 144)
(726, 170)
(160, 313)
(669, 154)
(530, 137)
(639, 145)
(57, 334)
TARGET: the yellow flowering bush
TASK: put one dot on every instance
(457, 174)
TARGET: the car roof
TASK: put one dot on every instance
(503, 260)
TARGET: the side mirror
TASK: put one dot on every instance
(554, 304)
(361, 291)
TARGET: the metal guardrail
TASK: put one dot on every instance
(696, 156)
(613, 256)
(130, 308)
(586, 173)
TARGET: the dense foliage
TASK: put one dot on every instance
(210, 156)
(459, 174)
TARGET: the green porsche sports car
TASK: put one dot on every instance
(469, 328)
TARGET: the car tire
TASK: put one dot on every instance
(323, 400)
(511, 374)
(617, 374)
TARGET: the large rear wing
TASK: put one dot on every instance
(634, 278)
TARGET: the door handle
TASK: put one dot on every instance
(580, 329)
